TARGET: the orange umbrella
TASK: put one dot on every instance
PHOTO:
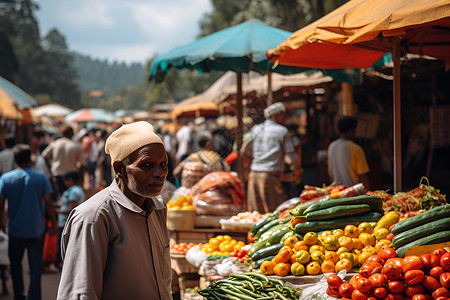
(360, 32)
(367, 29)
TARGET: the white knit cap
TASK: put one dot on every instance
(129, 138)
(273, 109)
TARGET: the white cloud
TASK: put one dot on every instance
(123, 30)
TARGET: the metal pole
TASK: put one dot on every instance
(397, 117)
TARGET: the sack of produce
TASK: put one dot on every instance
(192, 173)
(218, 193)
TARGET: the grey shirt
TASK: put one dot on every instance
(112, 249)
(271, 142)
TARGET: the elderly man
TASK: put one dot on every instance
(270, 143)
(115, 245)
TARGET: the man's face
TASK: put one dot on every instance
(146, 171)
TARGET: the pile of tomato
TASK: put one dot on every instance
(386, 276)
(183, 248)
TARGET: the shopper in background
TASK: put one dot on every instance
(267, 147)
(70, 198)
(64, 155)
(115, 245)
(347, 162)
(7, 156)
(28, 193)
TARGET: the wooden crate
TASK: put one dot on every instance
(181, 266)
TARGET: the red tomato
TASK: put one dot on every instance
(392, 272)
(436, 272)
(378, 279)
(429, 260)
(358, 295)
(441, 292)
(389, 297)
(380, 292)
(368, 267)
(431, 283)
(334, 281)
(371, 298)
(390, 236)
(419, 297)
(412, 290)
(375, 258)
(387, 253)
(364, 285)
(441, 298)
(444, 279)
(332, 292)
(396, 287)
(413, 277)
(439, 252)
(445, 261)
(412, 262)
(346, 290)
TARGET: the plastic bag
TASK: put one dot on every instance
(218, 193)
(317, 290)
(195, 256)
(4, 258)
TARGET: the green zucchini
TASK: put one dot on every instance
(271, 224)
(337, 223)
(261, 260)
(276, 236)
(435, 238)
(263, 222)
(417, 232)
(265, 236)
(300, 208)
(374, 201)
(338, 211)
(266, 251)
(428, 216)
(257, 245)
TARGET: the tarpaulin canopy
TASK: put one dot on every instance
(358, 33)
(51, 110)
(8, 109)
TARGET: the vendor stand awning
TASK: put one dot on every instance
(360, 32)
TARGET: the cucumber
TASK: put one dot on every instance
(263, 222)
(261, 260)
(338, 211)
(266, 251)
(374, 201)
(428, 216)
(435, 238)
(300, 208)
(417, 232)
(337, 223)
(257, 245)
(271, 224)
(276, 236)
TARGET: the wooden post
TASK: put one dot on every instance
(269, 89)
(348, 108)
(397, 117)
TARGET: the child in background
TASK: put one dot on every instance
(70, 198)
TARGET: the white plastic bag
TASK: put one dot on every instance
(195, 256)
(4, 258)
(318, 290)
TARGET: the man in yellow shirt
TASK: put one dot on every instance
(347, 162)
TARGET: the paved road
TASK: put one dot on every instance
(50, 282)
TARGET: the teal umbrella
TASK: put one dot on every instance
(240, 48)
(22, 99)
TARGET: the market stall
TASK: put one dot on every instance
(349, 233)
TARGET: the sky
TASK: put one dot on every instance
(123, 30)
